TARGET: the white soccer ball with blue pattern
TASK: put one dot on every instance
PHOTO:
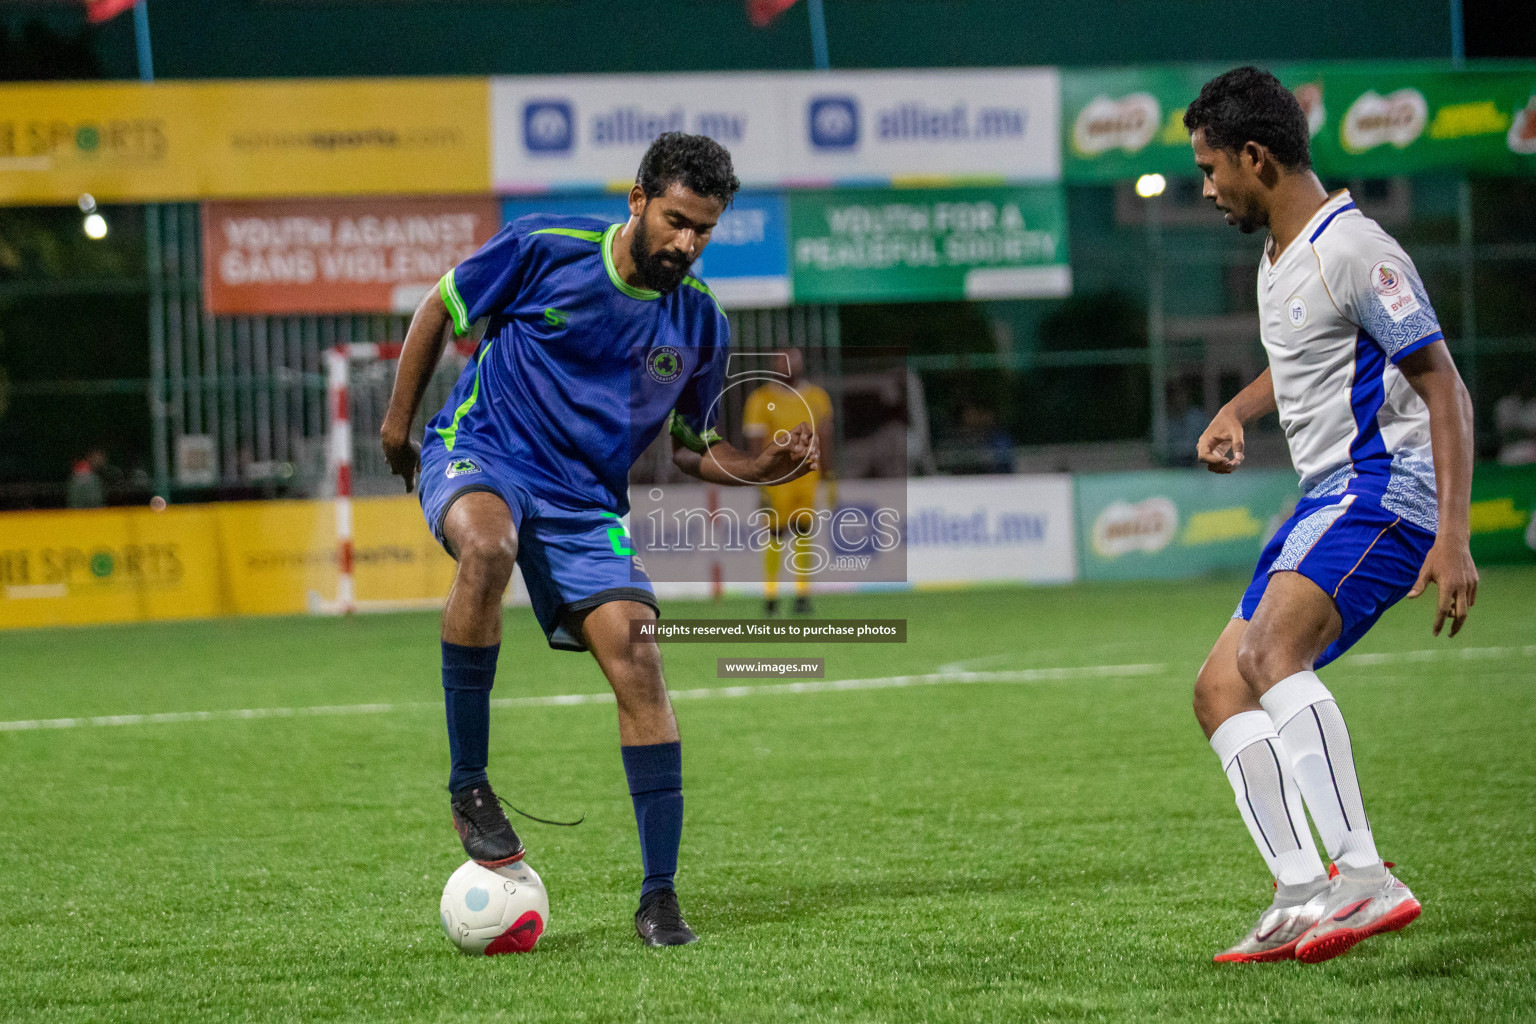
(488, 911)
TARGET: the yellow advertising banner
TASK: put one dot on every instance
(201, 561)
(147, 142)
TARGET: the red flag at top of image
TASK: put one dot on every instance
(97, 11)
(762, 12)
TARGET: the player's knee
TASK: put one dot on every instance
(1210, 696)
(643, 664)
(487, 559)
(1262, 665)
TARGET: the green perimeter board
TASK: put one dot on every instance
(1503, 498)
(1368, 119)
(1164, 524)
(888, 245)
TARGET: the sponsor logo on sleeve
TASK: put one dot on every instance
(549, 127)
(1375, 120)
(833, 122)
(1391, 288)
(1128, 123)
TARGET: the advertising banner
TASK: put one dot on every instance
(201, 561)
(872, 245)
(1503, 528)
(1405, 118)
(1164, 524)
(111, 565)
(336, 255)
(985, 528)
(746, 263)
(1367, 119)
(1118, 123)
(137, 142)
(921, 127)
(583, 132)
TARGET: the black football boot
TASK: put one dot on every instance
(659, 921)
(483, 828)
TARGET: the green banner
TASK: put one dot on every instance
(1503, 530)
(1368, 119)
(884, 245)
(1163, 524)
(1120, 123)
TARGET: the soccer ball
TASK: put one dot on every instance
(489, 911)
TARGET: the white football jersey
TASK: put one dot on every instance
(1337, 310)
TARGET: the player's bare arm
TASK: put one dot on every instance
(1433, 375)
(774, 462)
(425, 341)
(1221, 446)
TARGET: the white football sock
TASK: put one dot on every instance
(1257, 765)
(1309, 721)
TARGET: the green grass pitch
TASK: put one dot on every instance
(1045, 850)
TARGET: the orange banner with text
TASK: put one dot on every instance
(203, 561)
(336, 255)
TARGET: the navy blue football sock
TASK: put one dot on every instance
(655, 774)
(468, 673)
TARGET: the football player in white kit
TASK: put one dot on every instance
(1380, 430)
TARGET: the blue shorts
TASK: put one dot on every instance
(1361, 555)
(572, 559)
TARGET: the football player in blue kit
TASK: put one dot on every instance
(597, 338)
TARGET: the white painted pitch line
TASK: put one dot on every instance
(1442, 654)
(568, 699)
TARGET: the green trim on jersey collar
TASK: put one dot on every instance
(590, 236)
(694, 282)
(644, 294)
(455, 304)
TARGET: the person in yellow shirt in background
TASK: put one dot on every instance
(781, 406)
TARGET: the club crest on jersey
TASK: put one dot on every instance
(1296, 311)
(1386, 278)
(462, 467)
(664, 364)
(1387, 282)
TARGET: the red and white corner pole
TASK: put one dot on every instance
(337, 366)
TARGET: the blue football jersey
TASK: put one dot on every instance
(578, 370)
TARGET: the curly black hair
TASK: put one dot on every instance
(697, 162)
(1248, 105)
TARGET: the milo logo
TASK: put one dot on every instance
(1128, 123)
(1376, 120)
